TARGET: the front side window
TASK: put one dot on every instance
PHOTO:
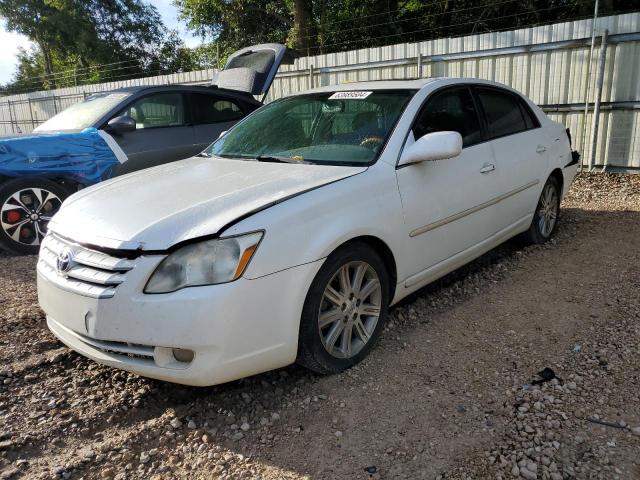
(157, 110)
(329, 128)
(450, 110)
(209, 109)
(502, 111)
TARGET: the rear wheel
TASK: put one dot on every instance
(545, 218)
(26, 206)
(344, 310)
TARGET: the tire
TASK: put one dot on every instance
(545, 218)
(344, 309)
(35, 200)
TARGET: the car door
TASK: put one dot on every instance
(447, 203)
(212, 115)
(520, 151)
(163, 131)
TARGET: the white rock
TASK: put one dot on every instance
(245, 427)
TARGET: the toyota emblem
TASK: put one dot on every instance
(64, 262)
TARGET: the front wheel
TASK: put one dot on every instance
(26, 206)
(344, 310)
(545, 218)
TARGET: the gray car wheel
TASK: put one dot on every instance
(344, 310)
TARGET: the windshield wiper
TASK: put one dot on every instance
(204, 154)
(277, 159)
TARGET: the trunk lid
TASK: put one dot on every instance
(252, 69)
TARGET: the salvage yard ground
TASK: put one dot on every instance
(446, 394)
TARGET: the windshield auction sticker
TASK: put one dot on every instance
(350, 95)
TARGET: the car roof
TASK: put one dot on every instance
(400, 84)
(180, 87)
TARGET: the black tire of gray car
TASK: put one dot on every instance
(36, 200)
(537, 234)
(312, 352)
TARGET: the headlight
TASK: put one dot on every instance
(208, 262)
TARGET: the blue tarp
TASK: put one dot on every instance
(83, 156)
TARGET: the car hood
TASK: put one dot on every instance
(156, 208)
(85, 157)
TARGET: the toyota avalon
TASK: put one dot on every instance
(289, 237)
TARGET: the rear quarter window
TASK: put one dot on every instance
(530, 119)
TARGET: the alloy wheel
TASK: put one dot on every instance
(24, 216)
(548, 210)
(350, 309)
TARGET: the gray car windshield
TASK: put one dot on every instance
(83, 114)
(338, 128)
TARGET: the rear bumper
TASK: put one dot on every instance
(235, 329)
(569, 171)
(575, 159)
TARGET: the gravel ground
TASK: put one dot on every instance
(449, 392)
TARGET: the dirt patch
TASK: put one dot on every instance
(447, 393)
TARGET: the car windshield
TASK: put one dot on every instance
(83, 114)
(338, 128)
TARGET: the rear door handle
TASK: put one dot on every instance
(487, 167)
(541, 149)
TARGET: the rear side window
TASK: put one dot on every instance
(503, 112)
(450, 110)
(157, 110)
(530, 120)
(209, 109)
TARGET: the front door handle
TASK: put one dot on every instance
(541, 149)
(487, 167)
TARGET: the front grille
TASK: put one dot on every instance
(91, 273)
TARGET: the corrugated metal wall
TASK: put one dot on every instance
(554, 77)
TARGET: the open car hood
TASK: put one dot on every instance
(157, 208)
(252, 69)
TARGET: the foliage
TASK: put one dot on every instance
(237, 23)
(80, 41)
(323, 26)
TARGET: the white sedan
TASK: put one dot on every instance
(288, 238)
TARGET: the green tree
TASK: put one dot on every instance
(80, 41)
(237, 23)
(321, 26)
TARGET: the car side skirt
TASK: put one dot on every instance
(421, 279)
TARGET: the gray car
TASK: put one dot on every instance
(116, 132)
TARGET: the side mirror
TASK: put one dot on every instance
(432, 146)
(121, 124)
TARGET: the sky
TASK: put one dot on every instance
(11, 41)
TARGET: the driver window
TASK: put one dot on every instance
(450, 110)
(154, 111)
